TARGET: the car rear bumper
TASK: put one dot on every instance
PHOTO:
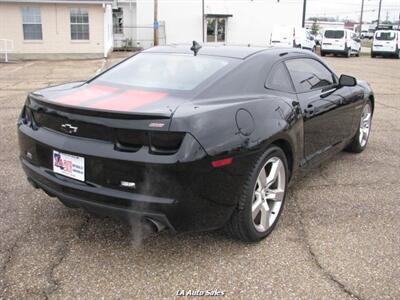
(383, 51)
(97, 199)
(190, 196)
(333, 51)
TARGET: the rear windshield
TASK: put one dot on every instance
(385, 35)
(334, 34)
(164, 71)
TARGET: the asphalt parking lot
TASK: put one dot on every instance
(339, 236)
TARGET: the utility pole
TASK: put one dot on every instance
(304, 13)
(379, 13)
(155, 24)
(361, 15)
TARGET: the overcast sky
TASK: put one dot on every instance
(352, 8)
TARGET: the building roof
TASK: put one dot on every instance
(61, 1)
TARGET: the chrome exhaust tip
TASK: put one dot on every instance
(156, 225)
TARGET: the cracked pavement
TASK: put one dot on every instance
(338, 237)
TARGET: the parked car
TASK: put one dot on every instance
(291, 36)
(367, 34)
(193, 142)
(317, 39)
(386, 43)
(340, 41)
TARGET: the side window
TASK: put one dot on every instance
(279, 79)
(309, 74)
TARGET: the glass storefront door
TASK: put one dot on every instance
(216, 30)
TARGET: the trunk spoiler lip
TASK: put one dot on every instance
(43, 101)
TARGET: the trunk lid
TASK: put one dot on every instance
(129, 118)
(94, 97)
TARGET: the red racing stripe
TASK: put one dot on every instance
(128, 100)
(85, 94)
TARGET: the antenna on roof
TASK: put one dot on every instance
(195, 47)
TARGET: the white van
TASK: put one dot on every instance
(386, 42)
(340, 41)
(290, 36)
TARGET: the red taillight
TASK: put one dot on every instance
(222, 162)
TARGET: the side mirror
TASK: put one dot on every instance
(346, 80)
(311, 38)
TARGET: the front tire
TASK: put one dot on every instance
(360, 140)
(261, 201)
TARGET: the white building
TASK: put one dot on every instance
(92, 28)
(56, 28)
(214, 21)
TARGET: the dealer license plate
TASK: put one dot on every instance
(69, 165)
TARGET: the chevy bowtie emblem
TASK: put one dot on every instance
(68, 128)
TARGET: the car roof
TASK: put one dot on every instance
(238, 52)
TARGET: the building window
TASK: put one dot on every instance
(216, 29)
(118, 20)
(79, 24)
(31, 23)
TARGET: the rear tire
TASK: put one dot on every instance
(348, 52)
(323, 53)
(360, 140)
(261, 201)
(373, 55)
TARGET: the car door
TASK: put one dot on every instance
(351, 41)
(356, 44)
(326, 112)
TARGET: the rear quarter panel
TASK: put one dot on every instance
(214, 123)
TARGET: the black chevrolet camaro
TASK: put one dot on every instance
(192, 139)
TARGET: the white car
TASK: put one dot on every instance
(340, 41)
(292, 36)
(367, 34)
(386, 42)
